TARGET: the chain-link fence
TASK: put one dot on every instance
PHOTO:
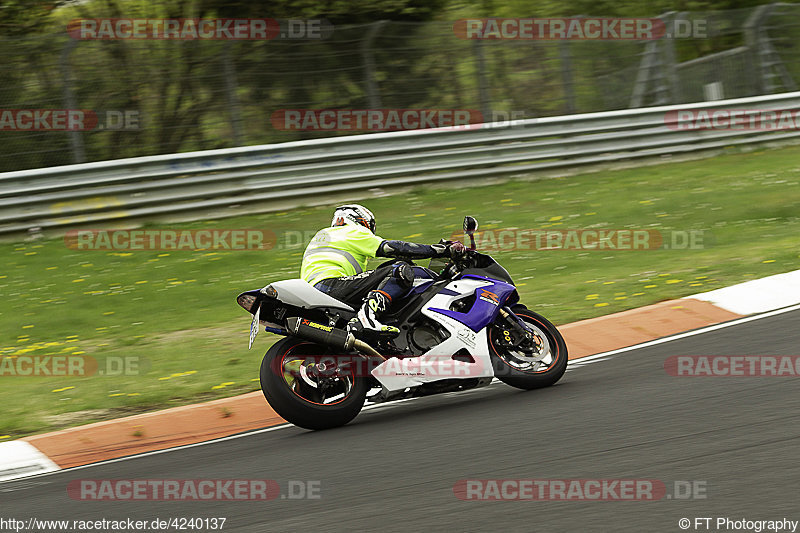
(195, 95)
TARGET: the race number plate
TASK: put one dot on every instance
(254, 326)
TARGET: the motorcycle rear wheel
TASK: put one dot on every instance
(302, 398)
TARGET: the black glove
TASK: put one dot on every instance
(457, 250)
(451, 249)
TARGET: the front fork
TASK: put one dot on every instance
(516, 323)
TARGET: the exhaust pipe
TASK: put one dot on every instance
(328, 335)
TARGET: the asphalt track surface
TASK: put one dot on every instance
(394, 468)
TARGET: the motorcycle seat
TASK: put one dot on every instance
(300, 293)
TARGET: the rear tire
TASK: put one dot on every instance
(287, 399)
(512, 371)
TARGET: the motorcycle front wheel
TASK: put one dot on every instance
(533, 366)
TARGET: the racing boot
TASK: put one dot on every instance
(367, 322)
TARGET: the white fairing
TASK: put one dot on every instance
(437, 363)
(300, 293)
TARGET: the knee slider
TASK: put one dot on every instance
(404, 275)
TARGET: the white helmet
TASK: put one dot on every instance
(354, 214)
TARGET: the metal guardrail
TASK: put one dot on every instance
(105, 191)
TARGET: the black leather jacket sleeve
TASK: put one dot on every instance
(411, 250)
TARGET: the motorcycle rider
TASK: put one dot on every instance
(335, 263)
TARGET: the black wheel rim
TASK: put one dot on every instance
(313, 376)
(537, 358)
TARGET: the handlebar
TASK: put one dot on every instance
(455, 266)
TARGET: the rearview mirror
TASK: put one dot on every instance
(470, 225)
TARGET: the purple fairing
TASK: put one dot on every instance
(483, 311)
(422, 273)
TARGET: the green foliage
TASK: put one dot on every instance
(23, 17)
(336, 11)
(197, 95)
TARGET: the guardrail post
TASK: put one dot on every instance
(566, 76)
(752, 28)
(670, 63)
(483, 85)
(643, 76)
(373, 95)
(762, 56)
(75, 137)
(234, 110)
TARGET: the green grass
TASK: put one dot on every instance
(175, 312)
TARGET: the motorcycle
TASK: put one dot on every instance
(461, 325)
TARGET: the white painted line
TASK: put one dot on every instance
(758, 295)
(574, 363)
(20, 459)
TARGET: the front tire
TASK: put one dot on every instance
(302, 399)
(520, 368)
